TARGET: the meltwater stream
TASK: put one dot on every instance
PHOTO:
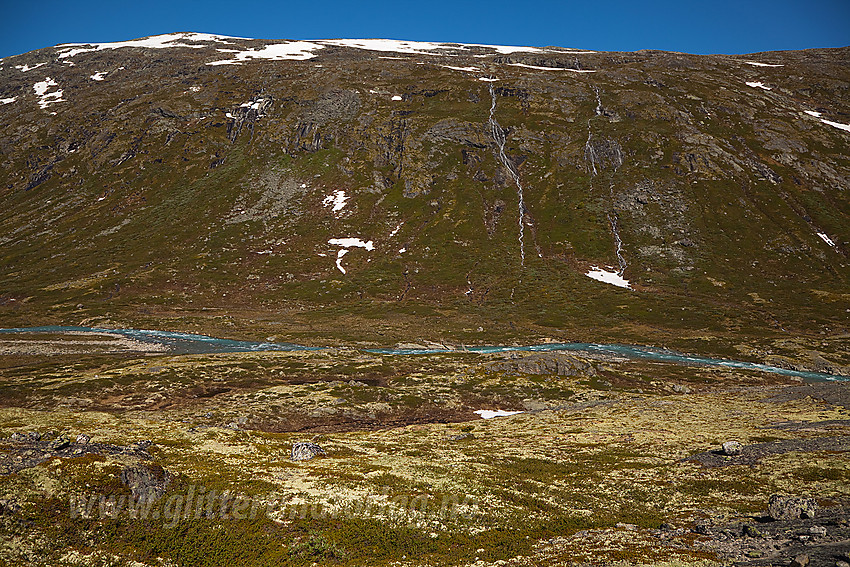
(186, 343)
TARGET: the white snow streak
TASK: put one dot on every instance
(490, 414)
(757, 85)
(98, 76)
(339, 256)
(467, 69)
(608, 277)
(838, 125)
(396, 97)
(8, 100)
(826, 239)
(551, 68)
(757, 64)
(25, 68)
(487, 79)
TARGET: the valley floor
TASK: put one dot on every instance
(610, 462)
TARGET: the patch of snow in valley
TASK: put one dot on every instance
(826, 239)
(47, 98)
(396, 97)
(402, 250)
(298, 50)
(758, 85)
(25, 68)
(757, 64)
(98, 76)
(551, 68)
(813, 113)
(152, 42)
(608, 277)
(8, 100)
(336, 200)
(490, 414)
(396, 229)
(487, 79)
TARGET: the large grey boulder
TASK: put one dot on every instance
(781, 507)
(305, 451)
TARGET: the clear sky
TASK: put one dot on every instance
(719, 26)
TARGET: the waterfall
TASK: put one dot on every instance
(499, 137)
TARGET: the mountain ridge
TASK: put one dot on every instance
(143, 183)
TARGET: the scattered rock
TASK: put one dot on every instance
(60, 443)
(82, 439)
(790, 507)
(800, 561)
(818, 531)
(305, 451)
(732, 448)
(751, 531)
(146, 480)
(460, 437)
(842, 564)
(680, 389)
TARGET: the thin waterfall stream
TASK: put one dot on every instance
(499, 137)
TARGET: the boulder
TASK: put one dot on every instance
(83, 439)
(781, 507)
(305, 451)
(149, 481)
(732, 448)
(801, 560)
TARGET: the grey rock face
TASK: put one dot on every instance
(791, 507)
(304, 451)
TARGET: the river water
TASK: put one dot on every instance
(185, 343)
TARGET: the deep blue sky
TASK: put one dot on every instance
(721, 26)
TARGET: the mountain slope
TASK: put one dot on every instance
(359, 190)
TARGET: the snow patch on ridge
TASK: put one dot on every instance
(8, 100)
(758, 64)
(98, 76)
(299, 50)
(152, 42)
